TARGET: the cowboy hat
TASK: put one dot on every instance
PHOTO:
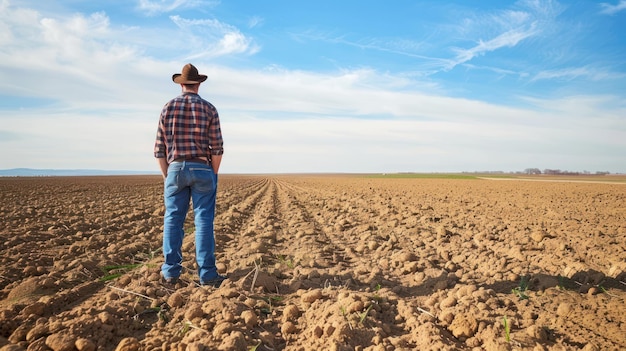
(189, 75)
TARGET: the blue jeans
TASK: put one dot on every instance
(197, 182)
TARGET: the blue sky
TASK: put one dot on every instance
(323, 86)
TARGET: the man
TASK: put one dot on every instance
(189, 150)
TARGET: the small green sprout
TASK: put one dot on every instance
(113, 272)
(185, 328)
(507, 329)
(363, 314)
(520, 291)
(286, 261)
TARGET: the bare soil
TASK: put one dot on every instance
(317, 263)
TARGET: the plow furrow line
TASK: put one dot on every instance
(310, 230)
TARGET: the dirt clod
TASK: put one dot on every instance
(463, 326)
(61, 341)
(128, 344)
(85, 345)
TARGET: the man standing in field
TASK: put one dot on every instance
(189, 150)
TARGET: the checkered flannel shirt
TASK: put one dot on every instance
(189, 126)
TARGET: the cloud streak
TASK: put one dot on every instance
(506, 28)
(508, 39)
(214, 38)
(578, 72)
(152, 7)
(608, 9)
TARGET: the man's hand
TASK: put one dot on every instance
(163, 166)
(216, 160)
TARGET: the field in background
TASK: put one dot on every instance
(618, 178)
(340, 262)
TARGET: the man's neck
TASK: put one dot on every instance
(190, 90)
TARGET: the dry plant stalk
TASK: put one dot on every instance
(425, 312)
(256, 274)
(131, 292)
(189, 324)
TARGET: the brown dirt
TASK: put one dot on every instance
(317, 262)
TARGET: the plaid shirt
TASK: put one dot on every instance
(189, 127)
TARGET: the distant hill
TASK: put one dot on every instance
(31, 172)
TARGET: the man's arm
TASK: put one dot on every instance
(163, 166)
(215, 162)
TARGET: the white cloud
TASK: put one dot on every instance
(77, 57)
(357, 145)
(71, 139)
(152, 7)
(212, 38)
(69, 60)
(289, 121)
(608, 9)
(76, 36)
(275, 121)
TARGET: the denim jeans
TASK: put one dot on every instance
(197, 182)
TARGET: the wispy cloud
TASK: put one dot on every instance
(255, 21)
(499, 71)
(486, 32)
(608, 9)
(505, 28)
(213, 38)
(396, 46)
(84, 55)
(572, 73)
(507, 39)
(152, 7)
(57, 53)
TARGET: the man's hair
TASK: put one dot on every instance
(191, 86)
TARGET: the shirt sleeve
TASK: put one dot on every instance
(159, 144)
(216, 146)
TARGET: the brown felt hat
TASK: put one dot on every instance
(189, 75)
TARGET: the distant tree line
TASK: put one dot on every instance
(560, 172)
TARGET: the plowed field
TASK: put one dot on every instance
(317, 263)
